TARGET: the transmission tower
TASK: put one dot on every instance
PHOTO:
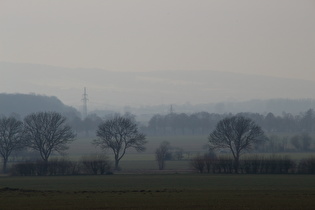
(171, 109)
(85, 100)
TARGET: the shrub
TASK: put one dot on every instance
(198, 163)
(23, 169)
(252, 165)
(61, 167)
(96, 164)
(307, 166)
(210, 160)
(272, 165)
(224, 164)
(41, 168)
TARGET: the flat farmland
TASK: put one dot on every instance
(187, 143)
(145, 162)
(159, 191)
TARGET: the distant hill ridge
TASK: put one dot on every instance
(23, 104)
(133, 89)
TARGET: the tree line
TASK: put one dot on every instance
(202, 122)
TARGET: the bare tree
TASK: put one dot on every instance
(10, 138)
(47, 132)
(237, 134)
(161, 153)
(119, 134)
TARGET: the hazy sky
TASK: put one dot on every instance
(271, 37)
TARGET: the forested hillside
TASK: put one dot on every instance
(23, 104)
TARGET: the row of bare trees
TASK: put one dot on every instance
(200, 123)
(48, 132)
(45, 132)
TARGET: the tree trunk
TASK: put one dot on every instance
(161, 164)
(5, 160)
(45, 167)
(116, 164)
(236, 164)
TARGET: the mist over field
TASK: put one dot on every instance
(117, 90)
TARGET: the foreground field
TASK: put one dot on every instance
(172, 191)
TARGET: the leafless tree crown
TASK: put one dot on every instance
(119, 134)
(47, 132)
(237, 134)
(10, 137)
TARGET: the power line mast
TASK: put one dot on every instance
(85, 100)
(171, 109)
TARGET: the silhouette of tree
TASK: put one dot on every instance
(161, 154)
(237, 134)
(10, 138)
(119, 134)
(47, 132)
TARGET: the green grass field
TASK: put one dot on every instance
(156, 191)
